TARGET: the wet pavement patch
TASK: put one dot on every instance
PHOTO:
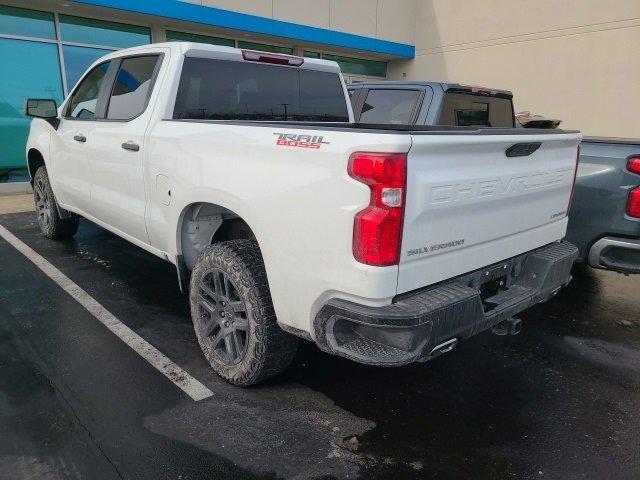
(558, 401)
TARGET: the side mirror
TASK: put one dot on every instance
(42, 108)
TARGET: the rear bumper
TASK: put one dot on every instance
(420, 325)
(618, 254)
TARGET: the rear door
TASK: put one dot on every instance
(116, 147)
(469, 204)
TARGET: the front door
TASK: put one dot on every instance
(116, 148)
(70, 166)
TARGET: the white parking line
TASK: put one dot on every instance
(173, 372)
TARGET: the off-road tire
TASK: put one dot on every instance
(269, 349)
(51, 224)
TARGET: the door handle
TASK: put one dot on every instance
(134, 147)
(80, 138)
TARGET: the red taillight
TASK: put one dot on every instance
(575, 174)
(377, 230)
(633, 203)
(254, 56)
(633, 165)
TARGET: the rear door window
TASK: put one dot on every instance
(132, 87)
(466, 110)
(229, 90)
(390, 106)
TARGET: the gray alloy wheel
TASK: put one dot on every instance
(223, 317)
(43, 203)
(233, 314)
(51, 224)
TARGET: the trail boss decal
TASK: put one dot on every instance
(300, 141)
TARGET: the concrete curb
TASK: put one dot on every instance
(15, 188)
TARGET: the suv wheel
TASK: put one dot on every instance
(51, 224)
(233, 314)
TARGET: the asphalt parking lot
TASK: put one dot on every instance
(560, 400)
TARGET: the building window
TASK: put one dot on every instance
(77, 60)
(37, 77)
(26, 23)
(34, 41)
(359, 66)
(354, 66)
(173, 36)
(99, 32)
(263, 47)
(88, 31)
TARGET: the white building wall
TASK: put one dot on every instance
(384, 19)
(576, 60)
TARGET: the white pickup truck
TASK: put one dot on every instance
(383, 244)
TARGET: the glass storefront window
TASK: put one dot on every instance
(77, 60)
(173, 36)
(265, 47)
(37, 77)
(359, 66)
(100, 32)
(26, 23)
(356, 66)
(35, 66)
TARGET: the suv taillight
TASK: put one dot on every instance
(633, 202)
(575, 175)
(633, 164)
(377, 230)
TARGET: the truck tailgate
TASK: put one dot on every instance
(469, 205)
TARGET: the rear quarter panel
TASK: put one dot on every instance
(299, 202)
(602, 188)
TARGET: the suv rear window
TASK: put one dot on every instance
(465, 110)
(389, 106)
(229, 90)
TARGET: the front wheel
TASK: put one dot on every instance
(51, 224)
(233, 314)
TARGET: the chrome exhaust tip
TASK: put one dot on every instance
(443, 348)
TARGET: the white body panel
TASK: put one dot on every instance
(301, 203)
(70, 163)
(116, 176)
(469, 205)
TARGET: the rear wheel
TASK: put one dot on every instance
(233, 314)
(51, 224)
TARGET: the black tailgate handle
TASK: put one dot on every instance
(522, 149)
